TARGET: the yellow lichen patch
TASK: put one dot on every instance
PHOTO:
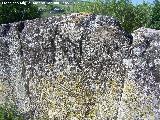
(76, 100)
(77, 18)
(136, 103)
(2, 87)
(70, 97)
(129, 87)
(109, 100)
(3, 92)
(85, 13)
(115, 86)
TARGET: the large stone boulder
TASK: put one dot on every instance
(79, 66)
(141, 100)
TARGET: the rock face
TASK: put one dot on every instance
(126, 69)
(144, 68)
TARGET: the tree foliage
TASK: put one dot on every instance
(142, 18)
(123, 10)
(155, 16)
(131, 16)
(13, 12)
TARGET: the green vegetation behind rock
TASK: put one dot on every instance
(14, 12)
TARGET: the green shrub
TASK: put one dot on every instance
(131, 16)
(143, 13)
(9, 112)
(155, 16)
(14, 12)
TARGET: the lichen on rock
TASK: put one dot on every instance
(91, 56)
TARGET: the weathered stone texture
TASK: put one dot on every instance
(143, 75)
(41, 49)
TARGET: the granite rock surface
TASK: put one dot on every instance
(34, 53)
